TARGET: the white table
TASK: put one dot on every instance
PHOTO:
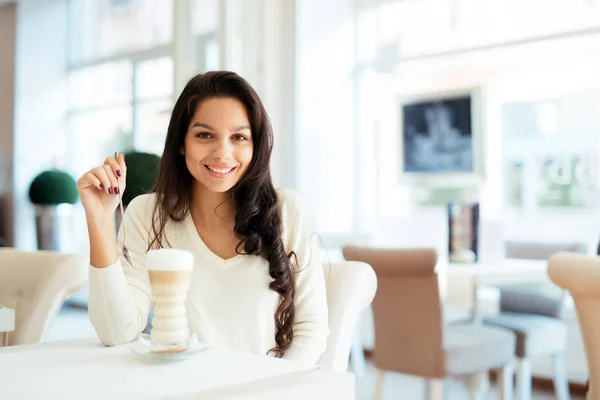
(7, 324)
(461, 282)
(85, 369)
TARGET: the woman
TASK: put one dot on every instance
(258, 284)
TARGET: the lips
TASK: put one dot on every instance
(220, 172)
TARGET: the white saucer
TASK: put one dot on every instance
(157, 353)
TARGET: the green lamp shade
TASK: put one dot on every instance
(53, 187)
(142, 170)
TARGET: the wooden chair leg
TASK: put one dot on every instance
(379, 375)
(477, 384)
(434, 389)
(505, 382)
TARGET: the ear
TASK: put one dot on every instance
(182, 150)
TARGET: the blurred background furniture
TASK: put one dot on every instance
(7, 324)
(535, 313)
(410, 335)
(580, 275)
(350, 287)
(35, 285)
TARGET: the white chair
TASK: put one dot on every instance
(580, 275)
(351, 287)
(35, 285)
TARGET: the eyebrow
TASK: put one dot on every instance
(207, 126)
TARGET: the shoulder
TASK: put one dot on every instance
(296, 216)
(291, 203)
(140, 208)
(142, 202)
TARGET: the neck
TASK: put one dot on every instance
(212, 209)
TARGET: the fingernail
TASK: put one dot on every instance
(117, 190)
(101, 186)
(119, 172)
(109, 190)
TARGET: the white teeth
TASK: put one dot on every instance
(219, 170)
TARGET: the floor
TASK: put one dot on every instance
(398, 386)
(73, 323)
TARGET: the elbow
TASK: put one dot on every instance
(109, 331)
(112, 340)
(110, 335)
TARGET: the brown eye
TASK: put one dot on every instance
(240, 137)
(203, 135)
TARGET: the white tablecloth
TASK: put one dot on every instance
(86, 369)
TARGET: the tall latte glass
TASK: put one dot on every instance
(170, 273)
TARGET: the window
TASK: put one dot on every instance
(102, 28)
(423, 27)
(551, 147)
(119, 106)
(96, 134)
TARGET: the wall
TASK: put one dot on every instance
(325, 143)
(503, 75)
(40, 106)
(8, 15)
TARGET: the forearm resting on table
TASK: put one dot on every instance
(103, 248)
(112, 308)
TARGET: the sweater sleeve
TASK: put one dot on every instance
(120, 296)
(311, 326)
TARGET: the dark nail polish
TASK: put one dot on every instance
(117, 190)
(102, 186)
(109, 190)
(119, 172)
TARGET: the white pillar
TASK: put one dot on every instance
(257, 39)
(183, 49)
(276, 67)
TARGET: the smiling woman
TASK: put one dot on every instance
(257, 282)
(218, 145)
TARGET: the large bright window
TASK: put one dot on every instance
(396, 28)
(102, 28)
(119, 106)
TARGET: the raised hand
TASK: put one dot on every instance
(100, 188)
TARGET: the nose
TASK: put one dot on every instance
(223, 150)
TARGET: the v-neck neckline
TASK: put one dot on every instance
(206, 250)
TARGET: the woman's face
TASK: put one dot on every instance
(218, 144)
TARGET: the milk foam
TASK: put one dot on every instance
(169, 260)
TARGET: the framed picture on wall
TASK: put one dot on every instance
(440, 136)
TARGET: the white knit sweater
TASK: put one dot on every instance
(229, 303)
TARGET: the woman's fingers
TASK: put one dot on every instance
(121, 162)
(89, 179)
(115, 166)
(113, 183)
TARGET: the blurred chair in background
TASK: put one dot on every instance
(35, 285)
(580, 275)
(351, 287)
(410, 336)
(535, 312)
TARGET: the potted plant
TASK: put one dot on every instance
(49, 191)
(142, 170)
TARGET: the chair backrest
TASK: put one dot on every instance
(35, 285)
(540, 250)
(350, 287)
(406, 310)
(580, 275)
(541, 299)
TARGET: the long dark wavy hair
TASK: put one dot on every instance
(257, 219)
